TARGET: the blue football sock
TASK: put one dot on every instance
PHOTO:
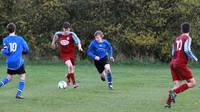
(109, 79)
(4, 82)
(20, 88)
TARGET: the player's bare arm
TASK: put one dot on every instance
(80, 47)
(53, 44)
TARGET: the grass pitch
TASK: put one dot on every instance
(137, 88)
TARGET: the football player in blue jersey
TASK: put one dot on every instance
(97, 50)
(14, 47)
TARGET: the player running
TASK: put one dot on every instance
(181, 53)
(14, 47)
(98, 52)
(67, 40)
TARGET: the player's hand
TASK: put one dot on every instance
(80, 49)
(97, 58)
(53, 46)
(112, 59)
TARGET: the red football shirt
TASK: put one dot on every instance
(67, 47)
(179, 55)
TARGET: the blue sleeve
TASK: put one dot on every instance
(76, 39)
(187, 49)
(5, 51)
(172, 50)
(90, 51)
(25, 47)
(110, 48)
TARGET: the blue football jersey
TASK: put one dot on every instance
(14, 47)
(100, 49)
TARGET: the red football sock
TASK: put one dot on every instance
(169, 100)
(181, 88)
(73, 78)
(68, 78)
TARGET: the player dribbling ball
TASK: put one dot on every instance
(67, 41)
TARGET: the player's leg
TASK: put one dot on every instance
(175, 78)
(22, 76)
(177, 83)
(73, 77)
(103, 74)
(69, 71)
(6, 80)
(185, 74)
(181, 88)
(21, 85)
(190, 84)
(67, 76)
(109, 75)
(100, 68)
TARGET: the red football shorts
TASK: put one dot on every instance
(180, 72)
(69, 58)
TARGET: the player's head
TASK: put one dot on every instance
(11, 28)
(66, 26)
(98, 35)
(185, 27)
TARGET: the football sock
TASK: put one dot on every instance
(20, 88)
(68, 78)
(73, 78)
(109, 79)
(4, 82)
(169, 100)
(181, 88)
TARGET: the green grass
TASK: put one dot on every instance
(136, 89)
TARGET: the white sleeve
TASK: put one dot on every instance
(187, 45)
(76, 39)
(187, 49)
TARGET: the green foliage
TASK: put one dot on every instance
(136, 28)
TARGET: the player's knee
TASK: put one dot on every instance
(69, 66)
(103, 73)
(107, 67)
(22, 77)
(192, 83)
(177, 84)
(70, 69)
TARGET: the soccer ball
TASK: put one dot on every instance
(62, 85)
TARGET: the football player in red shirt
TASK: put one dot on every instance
(67, 40)
(181, 53)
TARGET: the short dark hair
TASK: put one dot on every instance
(66, 25)
(11, 27)
(185, 27)
(98, 32)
